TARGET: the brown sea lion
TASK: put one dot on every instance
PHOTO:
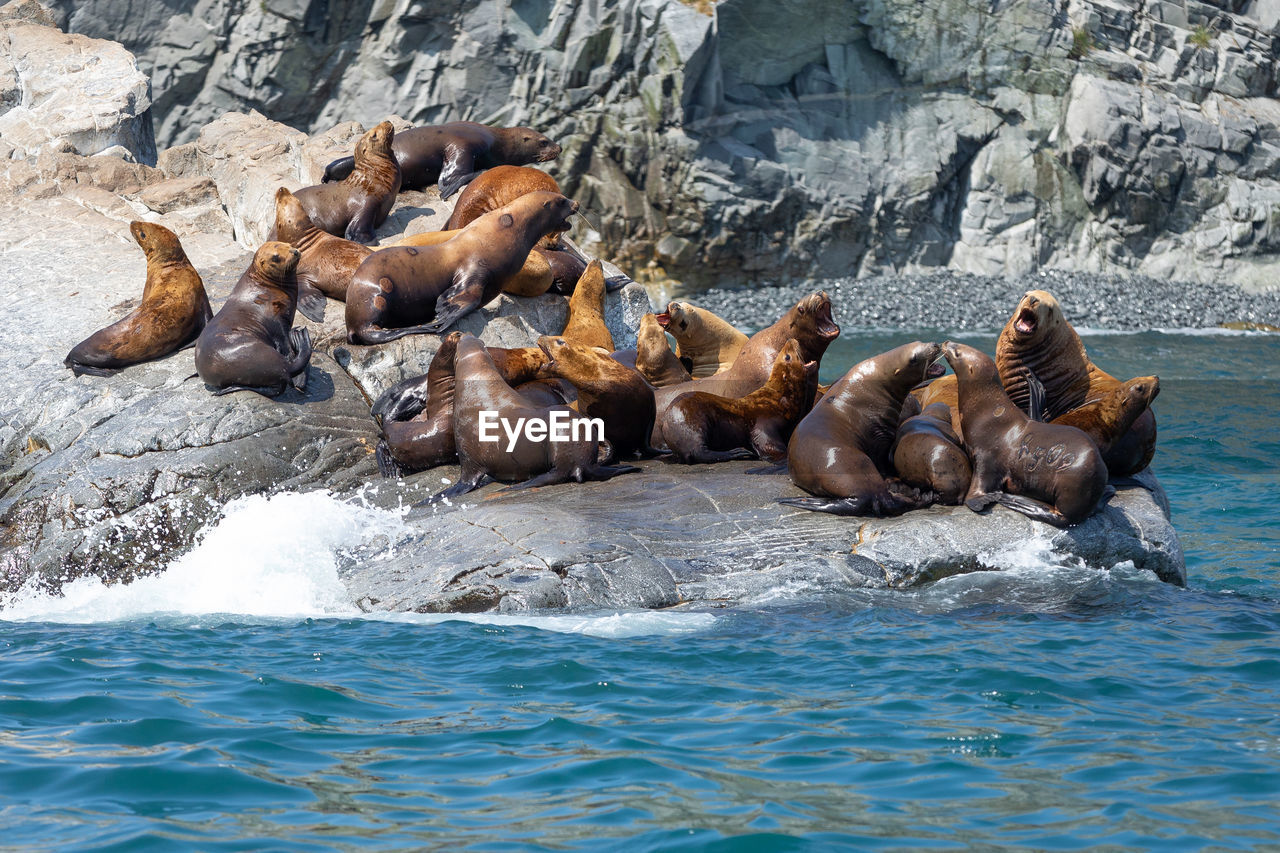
(364, 198)
(327, 263)
(408, 290)
(942, 390)
(617, 395)
(654, 358)
(250, 344)
(928, 455)
(840, 451)
(405, 399)
(1110, 419)
(705, 339)
(586, 311)
(173, 310)
(1047, 472)
(424, 439)
(485, 407)
(808, 321)
(497, 188)
(699, 427)
(533, 279)
(453, 154)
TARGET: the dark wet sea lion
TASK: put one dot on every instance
(654, 359)
(1109, 419)
(710, 342)
(453, 154)
(173, 311)
(928, 455)
(586, 311)
(408, 290)
(408, 397)
(425, 438)
(808, 321)
(327, 262)
(364, 198)
(699, 427)
(523, 460)
(250, 344)
(1048, 472)
(617, 395)
(840, 451)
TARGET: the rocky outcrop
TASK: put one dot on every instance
(803, 139)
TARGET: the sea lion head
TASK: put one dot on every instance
(156, 240)
(532, 145)
(276, 261)
(810, 320)
(650, 334)
(918, 361)
(790, 370)
(1142, 390)
(969, 363)
(1036, 316)
(376, 142)
(573, 361)
(550, 208)
(292, 220)
(448, 346)
(679, 319)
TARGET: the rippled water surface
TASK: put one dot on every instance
(236, 702)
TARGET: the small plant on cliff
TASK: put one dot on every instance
(1081, 43)
(1200, 37)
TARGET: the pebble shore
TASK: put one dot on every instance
(964, 302)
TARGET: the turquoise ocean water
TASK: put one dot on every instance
(235, 702)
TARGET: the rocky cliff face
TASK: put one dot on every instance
(797, 138)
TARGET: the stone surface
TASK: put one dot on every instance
(709, 535)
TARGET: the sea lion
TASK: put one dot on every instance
(1048, 472)
(523, 459)
(699, 427)
(1109, 419)
(250, 344)
(424, 439)
(617, 395)
(402, 401)
(364, 198)
(840, 451)
(396, 291)
(653, 357)
(808, 321)
(535, 278)
(586, 311)
(173, 311)
(327, 263)
(708, 341)
(497, 188)
(928, 455)
(941, 390)
(453, 154)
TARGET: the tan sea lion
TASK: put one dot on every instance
(250, 344)
(498, 187)
(173, 311)
(453, 154)
(699, 427)
(424, 439)
(928, 455)
(533, 279)
(840, 451)
(409, 290)
(617, 395)
(327, 263)
(1112, 418)
(654, 358)
(708, 341)
(481, 397)
(586, 311)
(364, 198)
(1047, 472)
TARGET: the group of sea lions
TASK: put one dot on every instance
(1038, 429)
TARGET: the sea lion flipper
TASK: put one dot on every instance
(617, 282)
(360, 228)
(459, 300)
(465, 485)
(458, 169)
(402, 401)
(311, 302)
(338, 169)
(1033, 509)
(776, 468)
(387, 465)
(1035, 397)
(88, 370)
(856, 505)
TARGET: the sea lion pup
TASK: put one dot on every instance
(699, 427)
(586, 324)
(250, 344)
(481, 397)
(928, 455)
(708, 341)
(396, 291)
(173, 310)
(1048, 472)
(840, 451)
(424, 439)
(654, 359)
(1109, 420)
(361, 202)
(453, 154)
(617, 395)
(327, 263)
(808, 321)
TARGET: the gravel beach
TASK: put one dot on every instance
(963, 302)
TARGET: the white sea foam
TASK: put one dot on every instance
(614, 625)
